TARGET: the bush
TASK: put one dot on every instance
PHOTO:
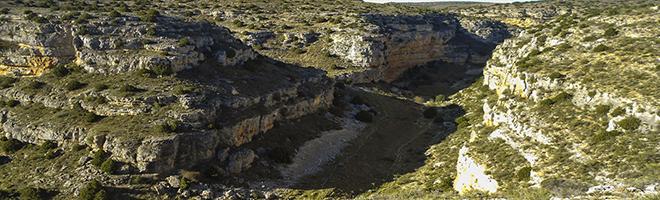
(60, 71)
(430, 112)
(34, 85)
(297, 51)
(183, 42)
(90, 190)
(91, 117)
(561, 96)
(438, 120)
(357, 100)
(258, 47)
(119, 43)
(603, 109)
(4, 10)
(178, 90)
(162, 69)
(127, 89)
(184, 183)
(100, 87)
(555, 75)
(523, 174)
(73, 85)
(108, 166)
(364, 116)
(600, 48)
(630, 123)
(30, 193)
(440, 98)
(114, 13)
(12, 103)
(618, 111)
(546, 102)
(12, 145)
(231, 52)
(151, 31)
(48, 145)
(605, 135)
(461, 120)
(610, 32)
(98, 158)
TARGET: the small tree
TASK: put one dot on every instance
(127, 89)
(440, 98)
(30, 193)
(89, 192)
(630, 123)
(364, 116)
(108, 166)
(12, 145)
(162, 69)
(184, 183)
(12, 103)
(114, 13)
(73, 85)
(600, 48)
(98, 158)
(60, 71)
(183, 42)
(48, 145)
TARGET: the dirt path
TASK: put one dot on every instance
(393, 144)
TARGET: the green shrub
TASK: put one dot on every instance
(100, 87)
(178, 90)
(546, 102)
(127, 89)
(146, 41)
(119, 43)
(12, 145)
(605, 135)
(77, 147)
(60, 71)
(600, 48)
(98, 158)
(183, 42)
(91, 117)
(30, 193)
(162, 69)
(590, 38)
(90, 190)
(523, 174)
(12, 103)
(630, 123)
(610, 32)
(114, 13)
(561, 96)
(297, 51)
(48, 145)
(184, 183)
(364, 116)
(430, 112)
(461, 120)
(555, 75)
(603, 109)
(34, 85)
(4, 10)
(101, 195)
(108, 166)
(618, 111)
(151, 31)
(73, 85)
(258, 47)
(150, 16)
(440, 98)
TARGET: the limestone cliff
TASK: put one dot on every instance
(409, 41)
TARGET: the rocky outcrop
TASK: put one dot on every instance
(106, 47)
(409, 41)
(471, 176)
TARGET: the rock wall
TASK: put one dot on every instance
(105, 47)
(409, 41)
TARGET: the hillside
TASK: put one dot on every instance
(328, 99)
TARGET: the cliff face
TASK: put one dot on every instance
(409, 41)
(106, 47)
(231, 94)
